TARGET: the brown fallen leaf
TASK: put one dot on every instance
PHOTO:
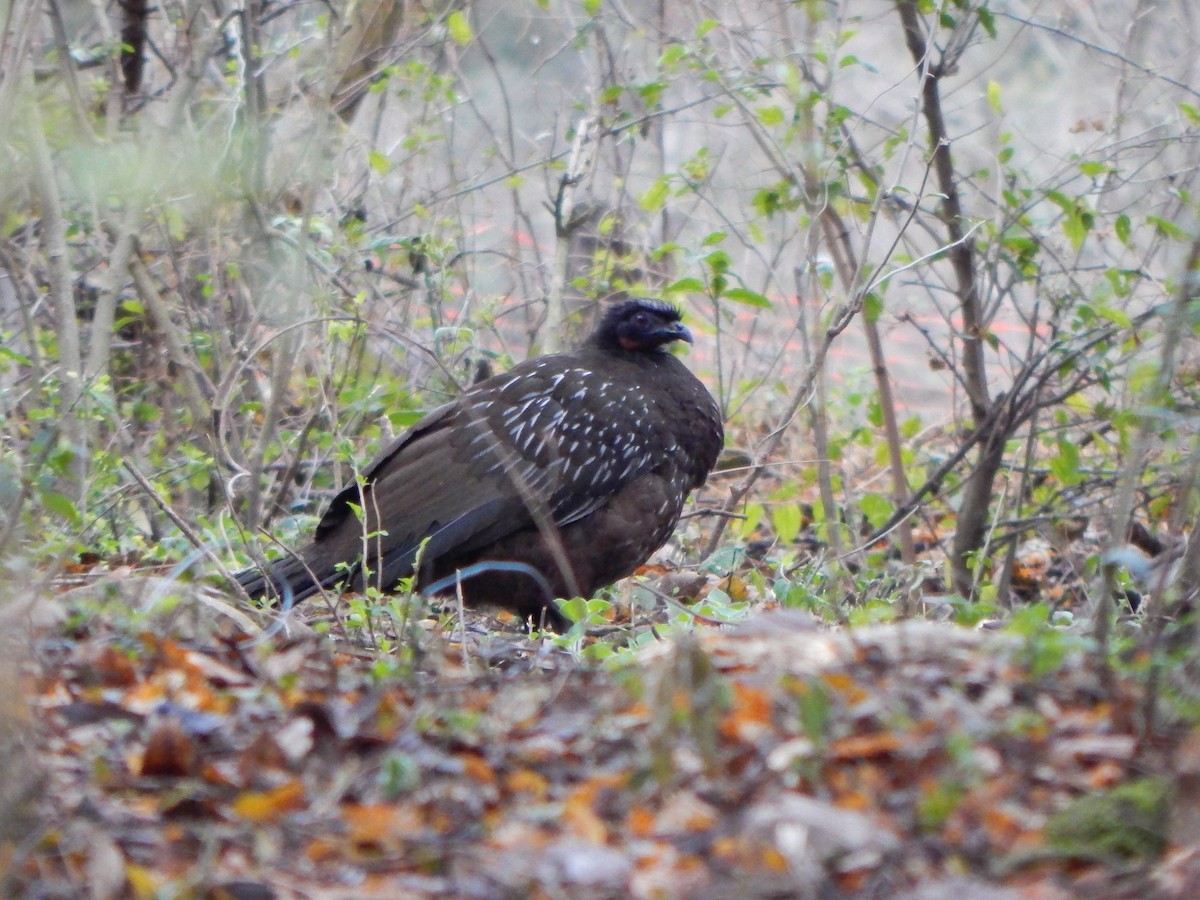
(169, 751)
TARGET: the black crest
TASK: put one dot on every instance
(640, 325)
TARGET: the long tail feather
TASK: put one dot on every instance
(289, 575)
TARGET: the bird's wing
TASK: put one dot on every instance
(591, 433)
(545, 443)
(442, 483)
(341, 506)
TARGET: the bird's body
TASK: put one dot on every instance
(576, 465)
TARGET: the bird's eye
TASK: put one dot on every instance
(641, 319)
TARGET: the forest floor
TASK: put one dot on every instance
(157, 749)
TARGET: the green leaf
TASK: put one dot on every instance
(718, 261)
(1126, 822)
(993, 96)
(754, 516)
(1121, 227)
(1167, 229)
(875, 417)
(987, 20)
(815, 708)
(1065, 465)
(591, 7)
(787, 519)
(379, 162)
(1114, 315)
(1093, 169)
(672, 55)
(459, 28)
(18, 358)
(651, 93)
(872, 307)
(685, 286)
(1078, 218)
(937, 802)
(574, 609)
(60, 505)
(746, 296)
(770, 115)
(655, 197)
(876, 507)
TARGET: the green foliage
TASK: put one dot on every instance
(1044, 647)
(1126, 822)
(937, 802)
(399, 775)
(815, 707)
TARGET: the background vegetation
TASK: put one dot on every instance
(939, 257)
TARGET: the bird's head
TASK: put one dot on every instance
(640, 326)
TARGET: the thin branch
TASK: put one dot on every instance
(1096, 48)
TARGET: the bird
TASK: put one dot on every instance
(552, 480)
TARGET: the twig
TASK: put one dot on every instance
(152, 493)
(579, 165)
(197, 390)
(843, 317)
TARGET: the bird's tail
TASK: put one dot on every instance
(290, 577)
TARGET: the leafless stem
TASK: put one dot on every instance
(54, 232)
(579, 167)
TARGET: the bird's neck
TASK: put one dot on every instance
(614, 351)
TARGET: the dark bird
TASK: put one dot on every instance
(575, 465)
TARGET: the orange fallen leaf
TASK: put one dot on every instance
(1000, 826)
(477, 768)
(852, 882)
(846, 685)
(1105, 773)
(368, 824)
(580, 819)
(736, 588)
(863, 746)
(376, 823)
(222, 772)
(143, 697)
(322, 849)
(265, 806)
(651, 569)
(527, 781)
(773, 860)
(114, 668)
(640, 822)
(726, 848)
(750, 713)
(854, 800)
